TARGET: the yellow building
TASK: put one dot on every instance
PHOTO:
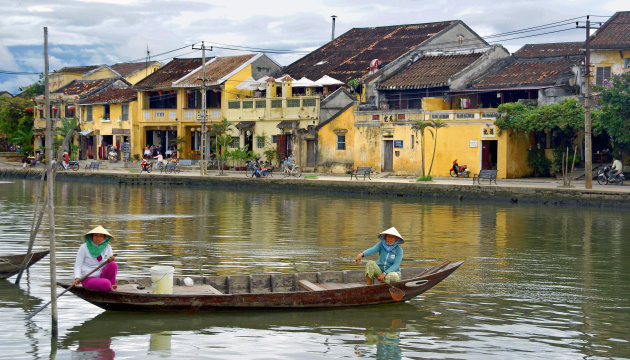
(169, 100)
(131, 72)
(106, 118)
(610, 48)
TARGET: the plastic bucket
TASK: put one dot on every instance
(162, 279)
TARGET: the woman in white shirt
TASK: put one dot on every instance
(92, 253)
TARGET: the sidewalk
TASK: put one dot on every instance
(190, 171)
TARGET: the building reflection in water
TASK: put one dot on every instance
(94, 349)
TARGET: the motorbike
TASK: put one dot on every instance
(146, 165)
(72, 165)
(604, 177)
(457, 170)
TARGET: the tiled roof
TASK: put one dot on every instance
(78, 69)
(165, 76)
(111, 95)
(550, 50)
(348, 56)
(511, 73)
(82, 87)
(429, 71)
(216, 69)
(125, 69)
(614, 34)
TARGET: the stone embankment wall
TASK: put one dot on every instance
(492, 193)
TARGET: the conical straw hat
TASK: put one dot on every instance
(100, 230)
(392, 231)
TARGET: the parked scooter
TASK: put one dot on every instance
(604, 177)
(146, 165)
(457, 171)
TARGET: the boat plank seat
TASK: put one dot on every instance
(310, 286)
(335, 286)
(196, 289)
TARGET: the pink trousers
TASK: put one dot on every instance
(105, 281)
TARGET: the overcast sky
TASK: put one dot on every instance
(90, 32)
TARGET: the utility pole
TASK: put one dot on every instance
(203, 116)
(50, 190)
(588, 152)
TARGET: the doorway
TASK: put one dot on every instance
(310, 153)
(388, 156)
(488, 154)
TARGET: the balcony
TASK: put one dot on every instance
(159, 115)
(402, 116)
(294, 108)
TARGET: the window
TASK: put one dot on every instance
(195, 140)
(341, 141)
(412, 142)
(260, 141)
(626, 63)
(106, 112)
(69, 111)
(124, 112)
(274, 139)
(88, 113)
(235, 142)
(603, 73)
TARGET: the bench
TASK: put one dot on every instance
(170, 167)
(362, 170)
(94, 165)
(310, 286)
(486, 174)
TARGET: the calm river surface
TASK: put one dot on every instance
(537, 282)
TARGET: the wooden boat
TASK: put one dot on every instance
(10, 264)
(266, 291)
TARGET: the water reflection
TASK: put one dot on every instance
(536, 279)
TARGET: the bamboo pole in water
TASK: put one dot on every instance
(50, 181)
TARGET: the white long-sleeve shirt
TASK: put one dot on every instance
(85, 262)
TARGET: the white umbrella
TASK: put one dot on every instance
(328, 81)
(304, 82)
(248, 84)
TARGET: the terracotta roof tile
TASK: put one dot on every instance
(82, 87)
(126, 69)
(348, 56)
(429, 71)
(512, 73)
(165, 76)
(111, 95)
(614, 34)
(216, 69)
(550, 50)
(78, 69)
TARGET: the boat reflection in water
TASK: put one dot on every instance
(381, 326)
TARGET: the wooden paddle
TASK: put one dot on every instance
(396, 293)
(70, 287)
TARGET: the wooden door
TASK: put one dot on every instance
(388, 156)
(310, 153)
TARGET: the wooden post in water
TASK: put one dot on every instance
(50, 181)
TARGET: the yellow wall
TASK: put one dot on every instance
(435, 104)
(612, 58)
(141, 74)
(104, 73)
(338, 160)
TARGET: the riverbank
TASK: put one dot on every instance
(529, 190)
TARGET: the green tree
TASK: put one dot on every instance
(16, 123)
(435, 125)
(222, 140)
(418, 127)
(613, 111)
(34, 89)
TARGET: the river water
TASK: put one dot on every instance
(537, 282)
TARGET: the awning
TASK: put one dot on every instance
(481, 90)
(245, 125)
(328, 81)
(85, 132)
(288, 124)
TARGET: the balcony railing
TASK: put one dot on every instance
(398, 116)
(295, 108)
